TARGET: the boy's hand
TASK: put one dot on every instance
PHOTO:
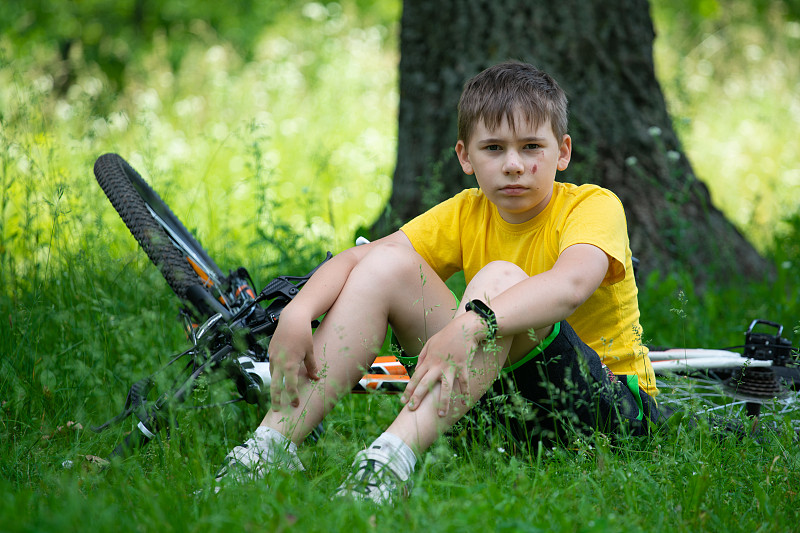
(291, 352)
(446, 359)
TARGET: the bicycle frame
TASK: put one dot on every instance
(676, 360)
(759, 350)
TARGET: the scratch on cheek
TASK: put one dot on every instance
(534, 168)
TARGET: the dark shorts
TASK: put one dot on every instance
(560, 390)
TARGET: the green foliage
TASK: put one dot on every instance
(111, 34)
(729, 71)
(308, 151)
(675, 313)
(785, 249)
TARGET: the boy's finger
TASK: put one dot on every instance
(446, 392)
(311, 367)
(461, 391)
(290, 387)
(422, 354)
(424, 385)
(413, 383)
(411, 386)
(275, 386)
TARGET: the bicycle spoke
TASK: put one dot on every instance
(701, 395)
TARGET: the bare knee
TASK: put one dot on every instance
(396, 275)
(390, 261)
(493, 279)
(392, 280)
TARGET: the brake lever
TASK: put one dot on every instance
(288, 286)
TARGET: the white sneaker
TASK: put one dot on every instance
(373, 478)
(267, 450)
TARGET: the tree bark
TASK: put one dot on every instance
(601, 54)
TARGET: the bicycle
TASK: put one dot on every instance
(764, 375)
(229, 326)
(223, 317)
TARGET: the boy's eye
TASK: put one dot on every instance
(531, 146)
(493, 147)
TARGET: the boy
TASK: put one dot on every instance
(547, 265)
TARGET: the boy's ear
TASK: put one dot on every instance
(463, 157)
(565, 153)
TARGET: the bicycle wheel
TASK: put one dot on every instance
(725, 394)
(187, 268)
(763, 381)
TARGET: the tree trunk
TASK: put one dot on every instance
(601, 54)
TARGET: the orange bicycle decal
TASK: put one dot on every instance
(247, 290)
(389, 364)
(380, 382)
(207, 281)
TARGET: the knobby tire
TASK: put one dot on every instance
(130, 195)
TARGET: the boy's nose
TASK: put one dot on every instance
(513, 164)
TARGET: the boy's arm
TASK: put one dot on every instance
(551, 296)
(534, 303)
(291, 346)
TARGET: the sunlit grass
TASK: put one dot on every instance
(305, 134)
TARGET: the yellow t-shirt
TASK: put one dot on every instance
(466, 233)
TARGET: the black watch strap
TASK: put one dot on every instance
(486, 314)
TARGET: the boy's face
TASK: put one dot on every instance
(515, 168)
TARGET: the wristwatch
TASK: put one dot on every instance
(487, 316)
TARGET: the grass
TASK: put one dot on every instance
(87, 328)
(684, 480)
(83, 314)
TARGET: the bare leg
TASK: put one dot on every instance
(392, 284)
(421, 427)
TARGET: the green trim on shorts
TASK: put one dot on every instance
(633, 384)
(407, 360)
(536, 351)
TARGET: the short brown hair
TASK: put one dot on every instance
(498, 91)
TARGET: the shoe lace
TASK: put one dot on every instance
(239, 459)
(374, 476)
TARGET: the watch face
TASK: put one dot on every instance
(485, 313)
(482, 309)
(479, 306)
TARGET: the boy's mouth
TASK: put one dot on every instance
(513, 190)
